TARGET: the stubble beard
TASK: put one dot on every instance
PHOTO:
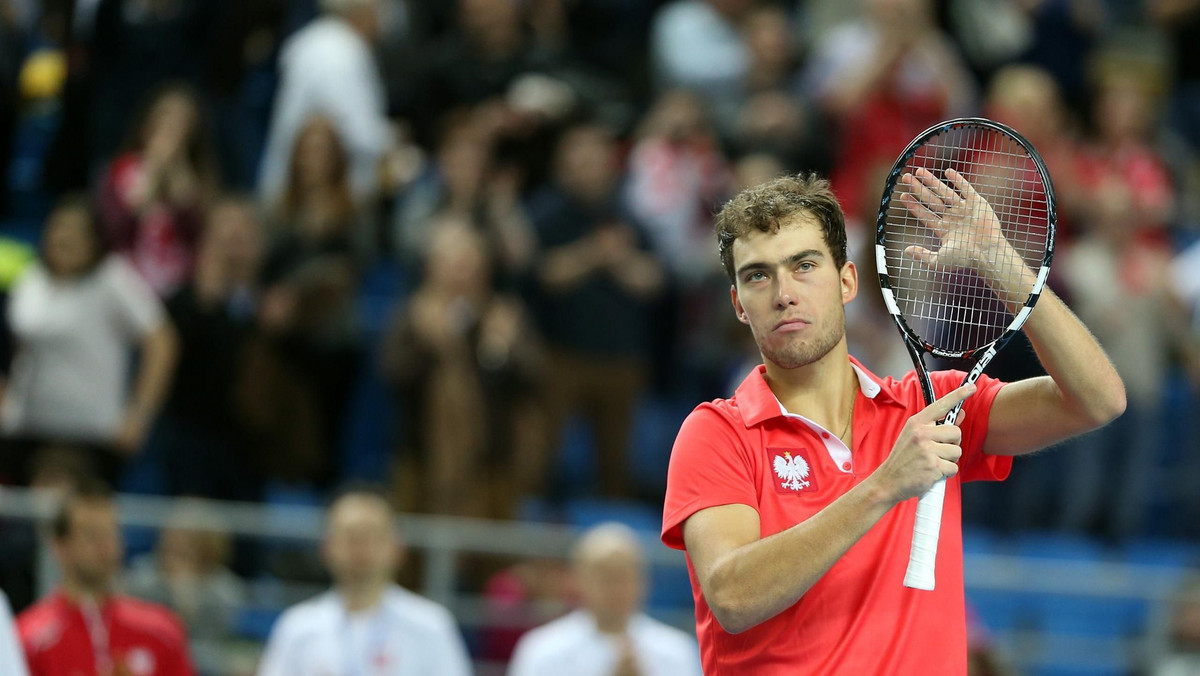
(792, 353)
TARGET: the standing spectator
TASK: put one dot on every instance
(77, 317)
(305, 354)
(1180, 653)
(328, 68)
(466, 363)
(883, 78)
(12, 658)
(152, 195)
(595, 280)
(366, 624)
(85, 627)
(609, 635)
(201, 437)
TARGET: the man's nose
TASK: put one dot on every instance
(786, 294)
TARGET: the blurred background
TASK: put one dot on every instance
(464, 249)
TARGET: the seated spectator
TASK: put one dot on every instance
(60, 633)
(366, 624)
(78, 316)
(596, 279)
(152, 196)
(328, 68)
(466, 363)
(609, 635)
(202, 436)
(188, 573)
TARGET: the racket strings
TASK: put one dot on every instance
(952, 308)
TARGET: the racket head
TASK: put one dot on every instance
(948, 312)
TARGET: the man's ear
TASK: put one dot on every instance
(849, 282)
(737, 305)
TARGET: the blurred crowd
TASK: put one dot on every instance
(224, 220)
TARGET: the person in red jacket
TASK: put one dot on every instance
(84, 628)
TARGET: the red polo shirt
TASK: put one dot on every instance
(123, 636)
(858, 618)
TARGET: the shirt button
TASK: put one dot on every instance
(824, 435)
(846, 466)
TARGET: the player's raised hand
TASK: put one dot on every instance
(925, 451)
(968, 228)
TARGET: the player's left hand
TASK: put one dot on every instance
(970, 232)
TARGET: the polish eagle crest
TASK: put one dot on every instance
(793, 470)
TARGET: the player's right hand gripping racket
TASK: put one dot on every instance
(963, 244)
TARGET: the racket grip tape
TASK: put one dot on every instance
(926, 529)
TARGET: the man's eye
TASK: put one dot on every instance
(806, 266)
(755, 276)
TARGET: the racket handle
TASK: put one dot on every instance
(925, 538)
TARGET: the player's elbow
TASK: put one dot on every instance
(731, 609)
(1110, 405)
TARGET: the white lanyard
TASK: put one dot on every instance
(93, 620)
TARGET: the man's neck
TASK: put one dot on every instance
(360, 597)
(611, 625)
(822, 391)
(79, 593)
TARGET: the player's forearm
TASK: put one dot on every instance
(1087, 381)
(759, 580)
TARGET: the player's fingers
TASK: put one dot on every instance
(938, 409)
(948, 468)
(944, 193)
(921, 255)
(920, 190)
(961, 183)
(946, 434)
(922, 212)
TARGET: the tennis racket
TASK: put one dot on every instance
(963, 244)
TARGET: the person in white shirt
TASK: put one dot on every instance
(366, 625)
(12, 657)
(609, 635)
(328, 68)
(77, 316)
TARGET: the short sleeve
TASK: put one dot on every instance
(709, 467)
(138, 308)
(279, 649)
(975, 465)
(455, 660)
(12, 656)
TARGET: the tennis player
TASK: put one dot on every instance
(793, 500)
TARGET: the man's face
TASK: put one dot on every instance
(91, 552)
(360, 545)
(791, 293)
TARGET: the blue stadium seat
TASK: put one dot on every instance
(255, 622)
(1038, 545)
(1070, 615)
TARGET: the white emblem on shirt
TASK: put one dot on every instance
(793, 470)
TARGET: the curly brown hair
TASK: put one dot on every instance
(765, 207)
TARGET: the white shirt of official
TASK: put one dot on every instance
(403, 635)
(12, 657)
(328, 69)
(70, 375)
(573, 645)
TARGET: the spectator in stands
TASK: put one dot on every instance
(466, 363)
(202, 436)
(609, 635)
(596, 278)
(1181, 654)
(85, 626)
(698, 45)
(77, 316)
(12, 658)
(366, 623)
(305, 355)
(188, 573)
(1122, 155)
(152, 196)
(328, 68)
(883, 78)
(1120, 290)
(466, 183)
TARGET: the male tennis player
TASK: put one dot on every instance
(792, 498)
